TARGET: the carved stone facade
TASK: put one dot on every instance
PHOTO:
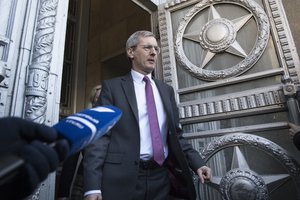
(267, 19)
(227, 31)
(31, 64)
(241, 182)
(32, 58)
(235, 68)
(39, 68)
(215, 97)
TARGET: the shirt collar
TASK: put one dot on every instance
(138, 77)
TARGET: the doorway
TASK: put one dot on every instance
(95, 46)
(94, 50)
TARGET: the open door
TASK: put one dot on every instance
(236, 71)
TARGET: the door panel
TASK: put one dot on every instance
(235, 69)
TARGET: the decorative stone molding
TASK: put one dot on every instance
(285, 44)
(38, 70)
(270, 17)
(226, 32)
(240, 102)
(171, 4)
(168, 67)
(241, 176)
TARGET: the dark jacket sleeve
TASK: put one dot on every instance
(94, 154)
(193, 157)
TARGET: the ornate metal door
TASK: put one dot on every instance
(236, 71)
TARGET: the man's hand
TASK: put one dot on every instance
(93, 197)
(204, 174)
(293, 129)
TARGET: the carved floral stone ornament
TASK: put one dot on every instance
(243, 179)
(220, 35)
(39, 69)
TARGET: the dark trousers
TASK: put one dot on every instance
(153, 184)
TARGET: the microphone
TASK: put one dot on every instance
(84, 127)
(79, 129)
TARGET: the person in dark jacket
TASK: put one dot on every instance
(128, 163)
(70, 180)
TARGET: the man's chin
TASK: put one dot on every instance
(150, 68)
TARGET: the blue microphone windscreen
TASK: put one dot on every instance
(81, 128)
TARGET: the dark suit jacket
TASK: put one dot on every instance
(112, 162)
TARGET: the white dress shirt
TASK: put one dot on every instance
(146, 151)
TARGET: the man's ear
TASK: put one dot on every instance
(130, 53)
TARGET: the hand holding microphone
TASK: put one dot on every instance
(25, 160)
(30, 151)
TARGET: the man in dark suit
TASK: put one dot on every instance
(122, 164)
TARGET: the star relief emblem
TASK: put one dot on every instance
(219, 35)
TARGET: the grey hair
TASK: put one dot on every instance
(133, 40)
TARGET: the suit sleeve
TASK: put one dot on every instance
(193, 157)
(95, 153)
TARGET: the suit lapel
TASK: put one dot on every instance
(128, 87)
(164, 94)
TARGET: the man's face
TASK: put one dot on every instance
(144, 55)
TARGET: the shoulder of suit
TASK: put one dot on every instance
(162, 83)
(118, 78)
